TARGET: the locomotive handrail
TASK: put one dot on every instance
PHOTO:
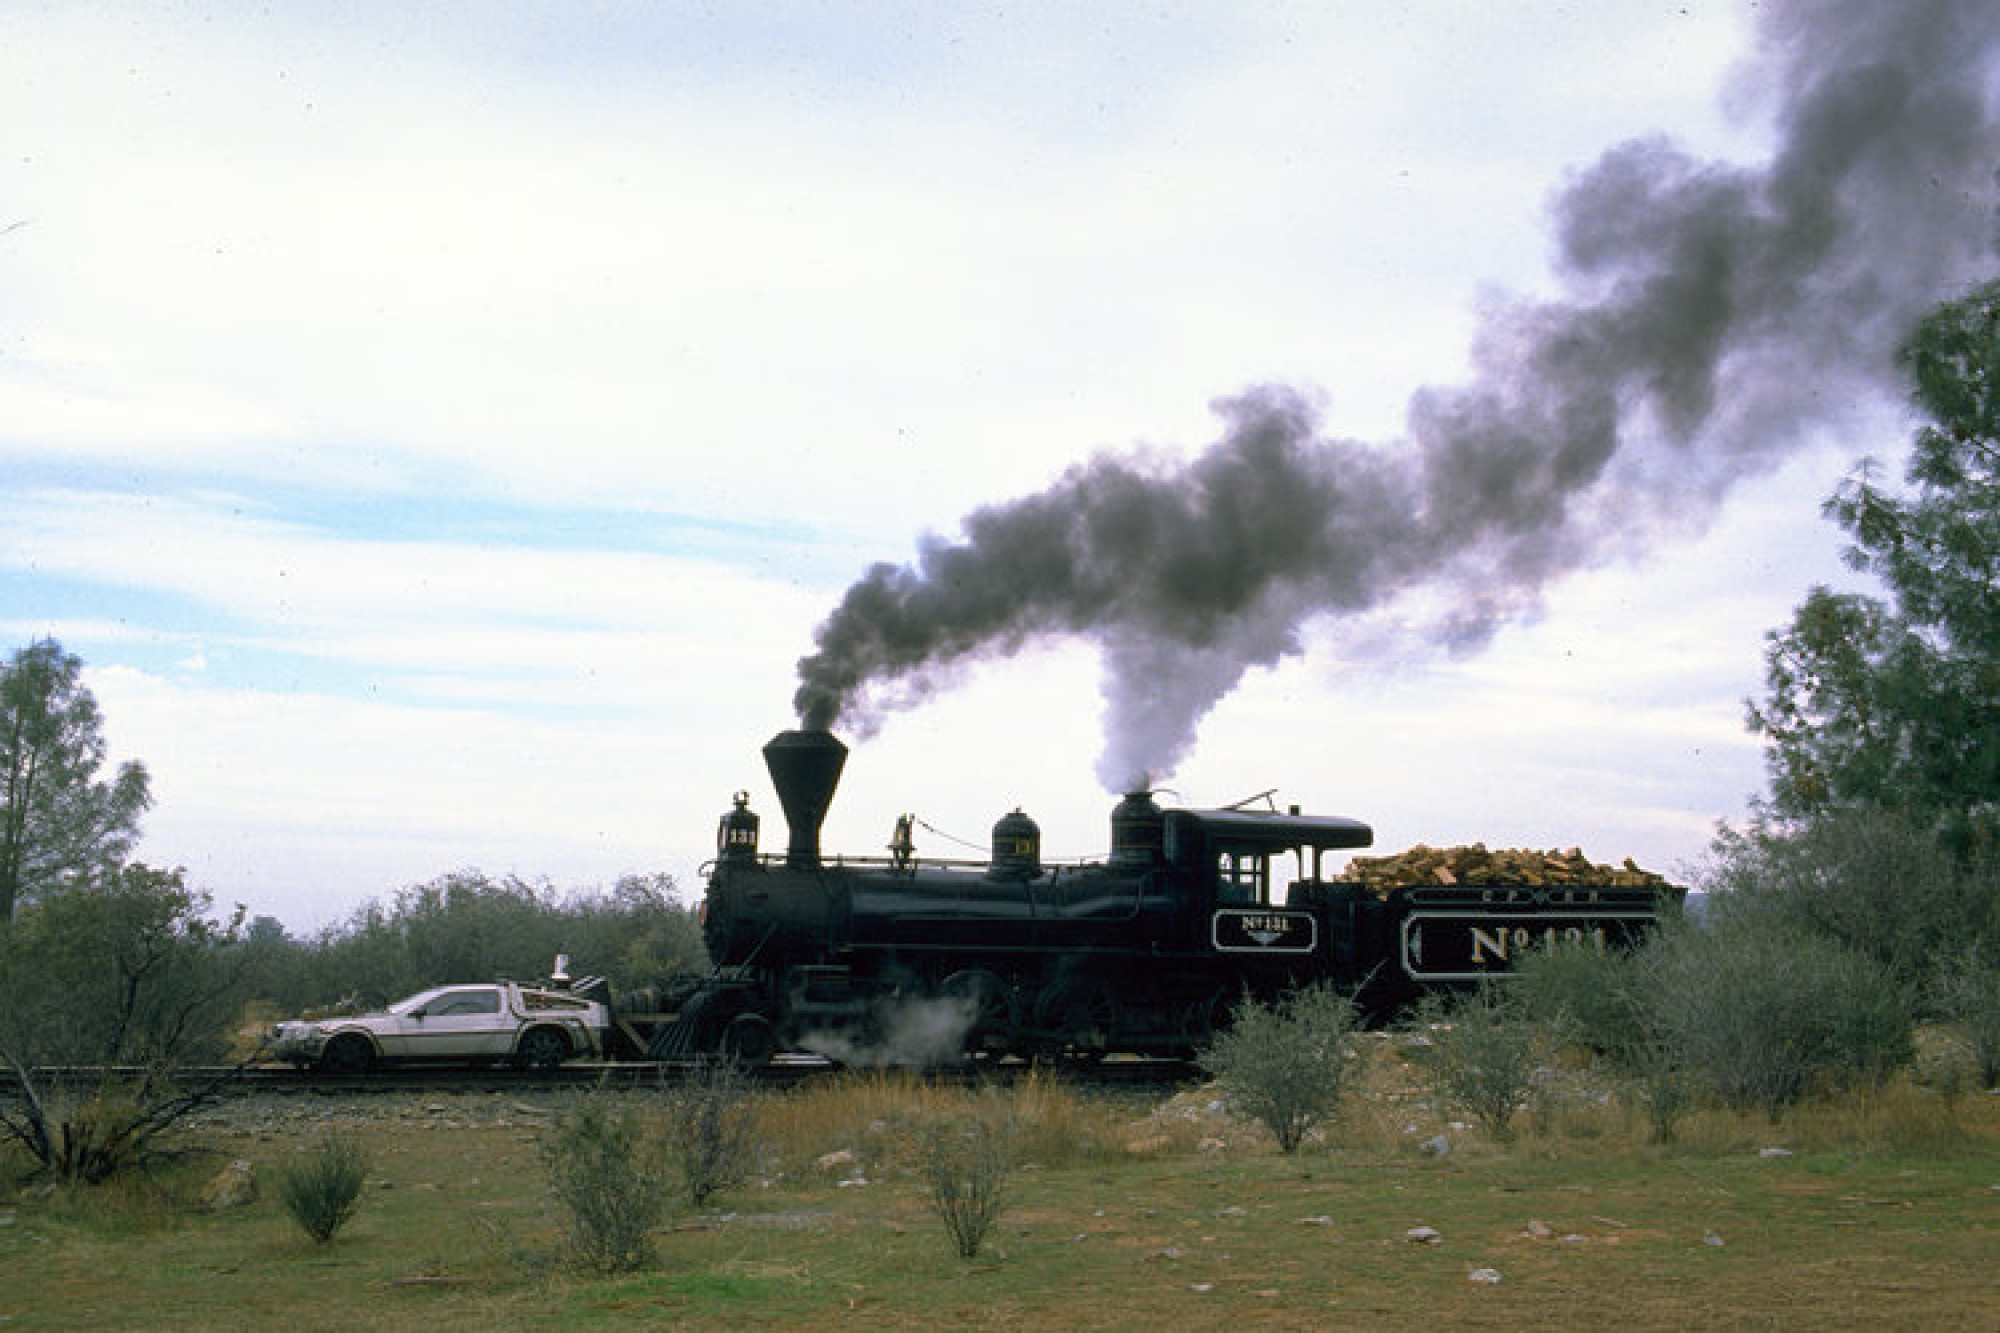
(911, 864)
(758, 947)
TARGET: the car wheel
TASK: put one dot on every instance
(347, 1054)
(543, 1048)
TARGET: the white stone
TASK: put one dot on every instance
(234, 1186)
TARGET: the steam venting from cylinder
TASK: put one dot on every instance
(1710, 315)
(805, 768)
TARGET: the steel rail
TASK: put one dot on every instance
(782, 1072)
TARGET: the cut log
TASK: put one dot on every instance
(1475, 864)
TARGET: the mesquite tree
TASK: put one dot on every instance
(60, 824)
(1894, 703)
(129, 974)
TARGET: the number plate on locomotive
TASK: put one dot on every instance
(1263, 930)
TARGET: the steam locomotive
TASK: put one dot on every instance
(896, 959)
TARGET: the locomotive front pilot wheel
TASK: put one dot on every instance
(749, 1040)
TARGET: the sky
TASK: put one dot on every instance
(442, 429)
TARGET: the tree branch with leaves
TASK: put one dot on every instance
(60, 823)
(1894, 702)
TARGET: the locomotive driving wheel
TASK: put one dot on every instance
(990, 1002)
(1081, 1014)
(1200, 1018)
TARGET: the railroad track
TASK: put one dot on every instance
(781, 1072)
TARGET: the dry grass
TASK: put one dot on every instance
(1168, 1216)
(880, 1121)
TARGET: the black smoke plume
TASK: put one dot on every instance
(1712, 315)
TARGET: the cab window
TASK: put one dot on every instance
(1239, 877)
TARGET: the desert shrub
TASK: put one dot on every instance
(1661, 1088)
(1285, 1064)
(1483, 1056)
(321, 1190)
(609, 1172)
(98, 1135)
(1602, 1000)
(711, 1129)
(1583, 994)
(123, 971)
(1756, 1009)
(1965, 992)
(154, 1198)
(1760, 1013)
(966, 1168)
(130, 970)
(90, 1137)
(1876, 883)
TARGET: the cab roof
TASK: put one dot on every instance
(1267, 831)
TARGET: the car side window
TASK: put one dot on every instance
(468, 1002)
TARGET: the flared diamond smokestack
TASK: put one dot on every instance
(805, 768)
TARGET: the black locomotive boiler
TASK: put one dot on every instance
(899, 959)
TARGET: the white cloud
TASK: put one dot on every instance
(342, 260)
(322, 588)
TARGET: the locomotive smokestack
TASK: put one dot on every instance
(805, 768)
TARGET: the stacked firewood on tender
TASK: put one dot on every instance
(1474, 865)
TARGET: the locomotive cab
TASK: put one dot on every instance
(1237, 858)
(1241, 856)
